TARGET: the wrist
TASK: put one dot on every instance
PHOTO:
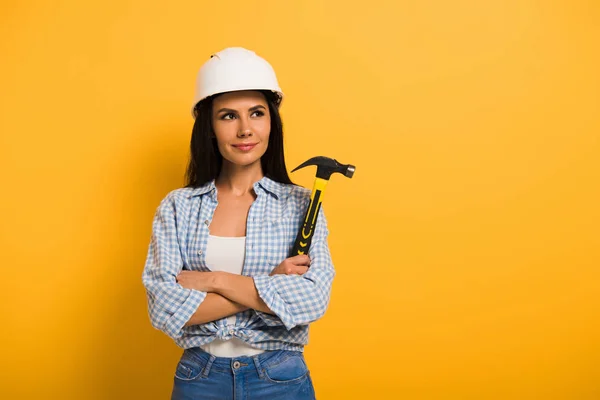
(217, 281)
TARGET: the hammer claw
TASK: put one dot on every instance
(327, 166)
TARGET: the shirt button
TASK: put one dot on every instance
(236, 364)
(206, 222)
(199, 252)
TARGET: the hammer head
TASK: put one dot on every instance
(327, 166)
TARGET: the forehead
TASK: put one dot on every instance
(239, 99)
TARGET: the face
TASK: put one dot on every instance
(242, 124)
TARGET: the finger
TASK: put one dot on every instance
(303, 270)
(296, 270)
(300, 259)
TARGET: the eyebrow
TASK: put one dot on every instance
(229, 110)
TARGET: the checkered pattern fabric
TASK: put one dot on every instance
(179, 239)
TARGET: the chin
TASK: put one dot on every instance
(246, 159)
(243, 161)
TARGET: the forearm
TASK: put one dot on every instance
(215, 307)
(240, 289)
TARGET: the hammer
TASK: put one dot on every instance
(325, 167)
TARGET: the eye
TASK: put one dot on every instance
(227, 116)
(258, 113)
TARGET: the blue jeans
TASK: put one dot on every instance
(272, 375)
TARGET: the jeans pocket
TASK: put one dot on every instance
(189, 367)
(290, 369)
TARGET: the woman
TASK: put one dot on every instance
(218, 277)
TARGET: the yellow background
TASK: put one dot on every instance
(467, 245)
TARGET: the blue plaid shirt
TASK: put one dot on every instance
(179, 238)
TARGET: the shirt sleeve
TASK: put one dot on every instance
(170, 305)
(300, 299)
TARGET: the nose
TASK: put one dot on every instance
(245, 133)
(244, 129)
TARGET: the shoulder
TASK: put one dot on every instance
(176, 198)
(299, 192)
(285, 193)
(297, 201)
(183, 193)
(296, 195)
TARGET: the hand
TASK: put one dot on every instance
(202, 281)
(296, 265)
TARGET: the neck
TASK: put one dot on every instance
(238, 179)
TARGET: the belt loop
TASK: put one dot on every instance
(208, 365)
(258, 367)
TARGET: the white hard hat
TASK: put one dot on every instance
(234, 68)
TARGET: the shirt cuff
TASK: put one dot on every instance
(269, 294)
(174, 325)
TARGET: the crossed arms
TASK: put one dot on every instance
(228, 293)
(178, 298)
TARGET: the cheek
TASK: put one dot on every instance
(264, 128)
(218, 128)
(224, 132)
(264, 138)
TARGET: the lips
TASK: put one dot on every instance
(245, 146)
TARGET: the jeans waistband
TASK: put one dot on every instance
(270, 357)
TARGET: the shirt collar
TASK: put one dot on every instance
(274, 188)
(200, 190)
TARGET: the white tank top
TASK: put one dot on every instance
(227, 254)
